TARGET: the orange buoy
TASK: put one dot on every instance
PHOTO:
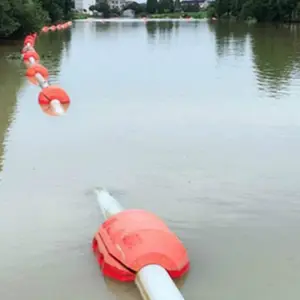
(45, 29)
(51, 93)
(70, 23)
(29, 40)
(133, 239)
(53, 28)
(35, 69)
(29, 54)
(58, 27)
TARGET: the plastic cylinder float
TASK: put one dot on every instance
(53, 100)
(135, 245)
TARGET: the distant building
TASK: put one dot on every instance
(201, 3)
(80, 5)
(114, 3)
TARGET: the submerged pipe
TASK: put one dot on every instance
(153, 281)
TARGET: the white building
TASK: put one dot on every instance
(80, 5)
(116, 3)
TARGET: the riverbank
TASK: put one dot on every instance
(175, 15)
(178, 15)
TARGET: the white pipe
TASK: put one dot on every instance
(31, 60)
(56, 107)
(55, 104)
(41, 80)
(153, 281)
(108, 205)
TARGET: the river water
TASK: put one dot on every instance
(196, 122)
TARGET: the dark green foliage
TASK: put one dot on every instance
(20, 17)
(151, 6)
(260, 10)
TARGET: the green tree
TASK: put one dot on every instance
(260, 10)
(8, 24)
(151, 6)
(103, 8)
(177, 5)
(165, 6)
(138, 8)
(20, 17)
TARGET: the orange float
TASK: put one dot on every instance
(36, 69)
(29, 40)
(45, 29)
(53, 28)
(29, 54)
(58, 27)
(51, 93)
(133, 239)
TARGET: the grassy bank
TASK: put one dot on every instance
(177, 15)
(80, 16)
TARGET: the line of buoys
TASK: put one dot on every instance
(53, 100)
(57, 27)
(135, 245)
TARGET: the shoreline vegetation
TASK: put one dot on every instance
(271, 11)
(19, 18)
(175, 15)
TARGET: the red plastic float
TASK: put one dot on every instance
(29, 40)
(29, 54)
(35, 69)
(51, 93)
(48, 93)
(133, 239)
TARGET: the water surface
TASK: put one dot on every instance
(196, 122)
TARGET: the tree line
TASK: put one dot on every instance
(143, 9)
(258, 10)
(20, 17)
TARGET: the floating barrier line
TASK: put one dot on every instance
(52, 99)
(153, 281)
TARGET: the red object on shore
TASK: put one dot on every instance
(133, 239)
(29, 54)
(35, 69)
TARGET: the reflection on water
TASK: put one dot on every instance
(51, 47)
(276, 52)
(151, 29)
(230, 38)
(10, 82)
